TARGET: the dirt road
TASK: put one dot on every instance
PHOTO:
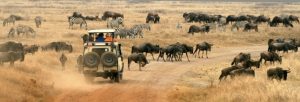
(153, 83)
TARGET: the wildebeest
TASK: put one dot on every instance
(9, 20)
(137, 58)
(77, 15)
(154, 17)
(11, 46)
(30, 49)
(190, 17)
(231, 18)
(281, 46)
(113, 15)
(145, 47)
(195, 29)
(261, 19)
(173, 51)
(204, 46)
(58, 46)
(243, 18)
(240, 58)
(11, 57)
(180, 50)
(17, 17)
(294, 18)
(277, 73)
(38, 21)
(251, 63)
(242, 71)
(226, 71)
(92, 18)
(63, 59)
(115, 23)
(250, 26)
(270, 56)
(277, 20)
(77, 20)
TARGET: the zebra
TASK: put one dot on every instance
(9, 20)
(222, 24)
(38, 21)
(11, 32)
(122, 33)
(26, 30)
(77, 20)
(143, 26)
(238, 25)
(115, 23)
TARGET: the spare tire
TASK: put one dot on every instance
(91, 59)
(109, 59)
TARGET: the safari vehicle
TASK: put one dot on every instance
(102, 58)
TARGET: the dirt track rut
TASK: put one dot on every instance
(152, 84)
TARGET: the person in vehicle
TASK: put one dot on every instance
(100, 38)
(108, 38)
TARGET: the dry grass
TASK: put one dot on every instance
(44, 68)
(199, 88)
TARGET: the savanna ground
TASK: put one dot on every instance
(39, 77)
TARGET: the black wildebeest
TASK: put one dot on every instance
(195, 29)
(277, 73)
(204, 46)
(154, 17)
(242, 71)
(137, 58)
(240, 58)
(145, 47)
(270, 56)
(114, 15)
(250, 26)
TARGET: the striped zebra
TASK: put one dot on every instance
(21, 29)
(38, 21)
(122, 33)
(77, 20)
(115, 23)
(136, 31)
(143, 26)
(9, 20)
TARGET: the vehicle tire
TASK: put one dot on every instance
(91, 59)
(109, 59)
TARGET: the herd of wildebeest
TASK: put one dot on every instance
(12, 51)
